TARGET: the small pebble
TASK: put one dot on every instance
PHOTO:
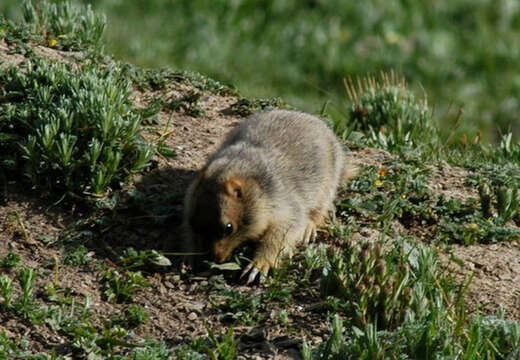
(317, 340)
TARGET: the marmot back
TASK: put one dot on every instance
(272, 181)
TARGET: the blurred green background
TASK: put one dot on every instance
(461, 53)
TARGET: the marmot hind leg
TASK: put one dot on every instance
(317, 218)
(309, 234)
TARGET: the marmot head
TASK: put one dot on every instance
(223, 212)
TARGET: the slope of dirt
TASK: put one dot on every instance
(179, 305)
(496, 275)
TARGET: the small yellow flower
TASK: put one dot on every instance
(403, 196)
(53, 42)
(378, 183)
(473, 226)
(382, 172)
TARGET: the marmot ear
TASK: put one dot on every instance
(235, 187)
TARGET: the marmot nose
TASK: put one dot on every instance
(218, 258)
(220, 254)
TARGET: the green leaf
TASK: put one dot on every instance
(231, 266)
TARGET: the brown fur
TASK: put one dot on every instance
(272, 181)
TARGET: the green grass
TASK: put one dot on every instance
(462, 52)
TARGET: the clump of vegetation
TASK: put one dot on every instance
(90, 341)
(134, 316)
(77, 256)
(430, 319)
(507, 150)
(6, 291)
(506, 198)
(246, 308)
(121, 287)
(66, 26)
(463, 223)
(394, 191)
(11, 260)
(387, 102)
(13, 348)
(132, 258)
(222, 347)
(370, 288)
(245, 107)
(69, 130)
(237, 307)
(188, 103)
(25, 304)
(389, 114)
(435, 334)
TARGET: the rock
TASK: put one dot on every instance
(284, 342)
(255, 335)
(256, 340)
(195, 306)
(169, 285)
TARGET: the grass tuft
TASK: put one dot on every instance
(370, 287)
(64, 25)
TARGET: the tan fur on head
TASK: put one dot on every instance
(213, 202)
(235, 187)
(239, 206)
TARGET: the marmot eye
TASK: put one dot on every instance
(228, 229)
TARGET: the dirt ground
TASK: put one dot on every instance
(179, 304)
